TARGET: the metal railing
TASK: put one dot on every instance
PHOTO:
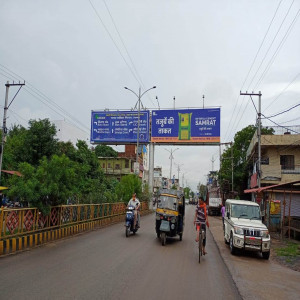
(290, 170)
(16, 222)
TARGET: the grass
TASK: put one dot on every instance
(291, 249)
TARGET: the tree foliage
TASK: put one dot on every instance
(55, 173)
(239, 147)
(105, 151)
(129, 184)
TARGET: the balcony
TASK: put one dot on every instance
(290, 169)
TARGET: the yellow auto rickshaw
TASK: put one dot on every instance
(169, 214)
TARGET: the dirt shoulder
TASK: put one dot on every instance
(255, 277)
(286, 252)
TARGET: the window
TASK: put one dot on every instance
(287, 162)
(127, 164)
(265, 160)
(103, 165)
(108, 165)
(117, 166)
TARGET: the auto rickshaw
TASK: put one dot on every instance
(169, 214)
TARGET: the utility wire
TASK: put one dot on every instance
(278, 49)
(253, 62)
(274, 55)
(281, 126)
(107, 31)
(123, 43)
(290, 120)
(253, 104)
(283, 112)
(44, 99)
(272, 42)
(282, 92)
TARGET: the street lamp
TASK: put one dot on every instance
(171, 157)
(178, 169)
(139, 96)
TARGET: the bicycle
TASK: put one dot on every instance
(200, 242)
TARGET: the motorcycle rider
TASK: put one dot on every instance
(136, 204)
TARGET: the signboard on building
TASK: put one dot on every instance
(119, 127)
(186, 126)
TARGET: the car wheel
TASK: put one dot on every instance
(226, 242)
(232, 248)
(266, 255)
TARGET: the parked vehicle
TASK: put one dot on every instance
(214, 201)
(129, 221)
(170, 215)
(244, 229)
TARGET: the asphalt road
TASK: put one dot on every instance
(104, 264)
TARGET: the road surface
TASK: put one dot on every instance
(104, 264)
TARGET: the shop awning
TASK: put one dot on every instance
(261, 189)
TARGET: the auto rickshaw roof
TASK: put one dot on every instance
(171, 193)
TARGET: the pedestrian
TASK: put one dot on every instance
(223, 213)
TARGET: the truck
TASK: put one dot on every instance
(214, 201)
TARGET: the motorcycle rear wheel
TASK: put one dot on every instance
(127, 231)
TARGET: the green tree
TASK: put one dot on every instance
(40, 140)
(49, 184)
(105, 151)
(129, 184)
(240, 146)
(187, 192)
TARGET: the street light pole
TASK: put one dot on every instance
(6, 106)
(171, 158)
(139, 96)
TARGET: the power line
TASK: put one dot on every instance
(107, 31)
(283, 111)
(254, 60)
(282, 92)
(123, 43)
(278, 49)
(30, 89)
(290, 120)
(281, 125)
(272, 42)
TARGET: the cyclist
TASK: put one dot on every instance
(201, 220)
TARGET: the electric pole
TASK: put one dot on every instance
(258, 132)
(6, 106)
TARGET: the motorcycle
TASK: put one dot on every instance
(129, 221)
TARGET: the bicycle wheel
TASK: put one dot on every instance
(200, 245)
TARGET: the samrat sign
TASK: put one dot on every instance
(119, 127)
(186, 126)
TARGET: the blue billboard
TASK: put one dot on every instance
(186, 126)
(119, 127)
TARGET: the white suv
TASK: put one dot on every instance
(244, 228)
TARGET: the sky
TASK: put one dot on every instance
(78, 55)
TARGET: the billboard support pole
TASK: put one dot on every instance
(151, 171)
(138, 129)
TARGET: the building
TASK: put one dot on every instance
(124, 163)
(280, 159)
(116, 166)
(157, 179)
(279, 192)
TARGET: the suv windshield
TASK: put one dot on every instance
(167, 202)
(245, 211)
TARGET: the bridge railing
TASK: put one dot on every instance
(23, 221)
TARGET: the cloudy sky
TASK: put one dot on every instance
(77, 56)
